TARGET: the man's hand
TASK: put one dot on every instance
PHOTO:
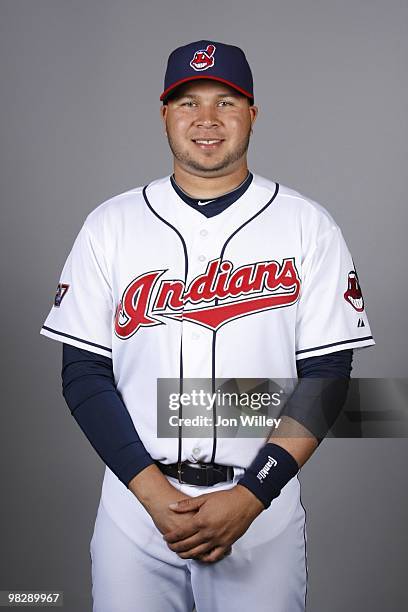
(165, 519)
(219, 519)
(155, 492)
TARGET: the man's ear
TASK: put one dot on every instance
(254, 111)
(163, 114)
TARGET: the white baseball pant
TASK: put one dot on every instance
(263, 573)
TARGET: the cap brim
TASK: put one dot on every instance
(174, 86)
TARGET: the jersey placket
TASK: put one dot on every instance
(205, 245)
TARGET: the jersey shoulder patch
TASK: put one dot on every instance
(62, 288)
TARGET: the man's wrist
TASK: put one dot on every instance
(150, 486)
(269, 472)
(254, 504)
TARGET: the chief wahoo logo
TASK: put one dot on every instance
(353, 293)
(203, 58)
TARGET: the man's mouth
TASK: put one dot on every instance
(210, 143)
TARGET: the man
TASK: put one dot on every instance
(216, 273)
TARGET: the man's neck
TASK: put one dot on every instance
(209, 187)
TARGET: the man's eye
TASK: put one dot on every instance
(188, 103)
(225, 103)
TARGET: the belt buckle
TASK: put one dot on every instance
(207, 470)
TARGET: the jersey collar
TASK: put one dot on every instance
(210, 208)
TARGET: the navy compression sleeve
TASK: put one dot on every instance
(90, 392)
(315, 403)
(321, 392)
(333, 365)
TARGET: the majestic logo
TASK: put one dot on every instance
(61, 291)
(203, 59)
(353, 294)
(244, 291)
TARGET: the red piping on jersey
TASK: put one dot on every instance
(200, 76)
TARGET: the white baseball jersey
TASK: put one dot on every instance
(167, 292)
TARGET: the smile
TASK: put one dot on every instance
(208, 144)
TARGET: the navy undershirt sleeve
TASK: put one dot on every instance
(95, 403)
(333, 365)
(321, 392)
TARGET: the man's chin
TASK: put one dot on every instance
(211, 167)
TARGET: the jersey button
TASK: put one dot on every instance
(196, 452)
(202, 258)
(203, 233)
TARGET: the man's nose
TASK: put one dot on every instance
(207, 116)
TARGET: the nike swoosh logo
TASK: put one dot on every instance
(206, 202)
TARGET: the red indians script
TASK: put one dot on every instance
(244, 291)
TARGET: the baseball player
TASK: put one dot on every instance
(213, 273)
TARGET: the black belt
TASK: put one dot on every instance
(199, 474)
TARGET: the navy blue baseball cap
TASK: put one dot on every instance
(206, 59)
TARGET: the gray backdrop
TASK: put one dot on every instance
(80, 81)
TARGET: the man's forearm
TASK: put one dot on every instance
(89, 389)
(315, 404)
(296, 439)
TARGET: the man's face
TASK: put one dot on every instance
(208, 127)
